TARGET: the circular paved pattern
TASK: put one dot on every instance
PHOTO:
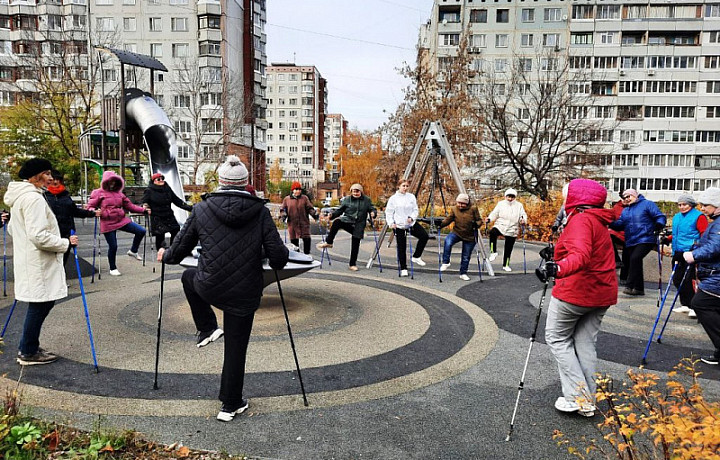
(413, 337)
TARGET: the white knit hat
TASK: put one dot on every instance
(511, 191)
(710, 196)
(233, 172)
(463, 198)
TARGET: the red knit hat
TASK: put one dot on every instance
(296, 185)
(157, 176)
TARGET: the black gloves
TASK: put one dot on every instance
(547, 253)
(554, 228)
(664, 240)
(546, 271)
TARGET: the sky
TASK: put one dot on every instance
(357, 45)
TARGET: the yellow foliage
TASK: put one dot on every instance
(360, 156)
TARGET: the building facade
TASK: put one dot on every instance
(214, 50)
(654, 67)
(296, 116)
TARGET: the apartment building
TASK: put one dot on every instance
(654, 67)
(214, 50)
(335, 127)
(296, 117)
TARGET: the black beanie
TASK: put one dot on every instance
(33, 167)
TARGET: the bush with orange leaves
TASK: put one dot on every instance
(644, 420)
(541, 214)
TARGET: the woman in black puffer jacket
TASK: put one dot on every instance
(158, 197)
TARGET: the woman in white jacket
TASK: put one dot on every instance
(38, 256)
(508, 215)
(401, 215)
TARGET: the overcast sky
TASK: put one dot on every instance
(357, 45)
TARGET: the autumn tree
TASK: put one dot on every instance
(435, 93)
(360, 158)
(544, 120)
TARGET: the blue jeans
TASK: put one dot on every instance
(467, 248)
(36, 314)
(111, 238)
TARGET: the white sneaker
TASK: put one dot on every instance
(403, 273)
(226, 414)
(115, 272)
(418, 260)
(507, 268)
(563, 405)
(444, 267)
(464, 277)
(134, 254)
(493, 256)
(681, 309)
(692, 314)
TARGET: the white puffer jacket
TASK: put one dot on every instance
(37, 246)
(399, 207)
(507, 216)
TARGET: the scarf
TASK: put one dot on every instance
(56, 189)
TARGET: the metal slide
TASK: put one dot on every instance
(160, 141)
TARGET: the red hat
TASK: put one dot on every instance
(296, 185)
(157, 176)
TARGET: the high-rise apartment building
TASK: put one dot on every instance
(296, 114)
(335, 127)
(214, 50)
(654, 67)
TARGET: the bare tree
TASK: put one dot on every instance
(208, 106)
(543, 119)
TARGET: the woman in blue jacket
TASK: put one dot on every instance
(706, 258)
(640, 220)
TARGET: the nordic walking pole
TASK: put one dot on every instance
(159, 325)
(292, 342)
(477, 254)
(657, 318)
(524, 259)
(527, 360)
(324, 252)
(147, 226)
(412, 269)
(397, 254)
(377, 247)
(440, 252)
(7, 321)
(677, 294)
(84, 299)
(5, 260)
(95, 247)
(659, 250)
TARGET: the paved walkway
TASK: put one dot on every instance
(395, 368)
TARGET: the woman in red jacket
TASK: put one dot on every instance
(585, 287)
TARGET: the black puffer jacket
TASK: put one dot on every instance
(65, 210)
(159, 198)
(233, 228)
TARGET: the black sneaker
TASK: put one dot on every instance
(209, 336)
(227, 413)
(713, 361)
(41, 357)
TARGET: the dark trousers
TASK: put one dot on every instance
(111, 238)
(306, 243)
(348, 227)
(509, 244)
(160, 239)
(237, 336)
(401, 240)
(617, 242)
(707, 308)
(686, 290)
(635, 256)
(34, 319)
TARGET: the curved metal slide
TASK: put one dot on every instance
(160, 141)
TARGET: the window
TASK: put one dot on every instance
(211, 125)
(603, 112)
(632, 86)
(552, 14)
(629, 112)
(527, 40)
(180, 50)
(525, 64)
(608, 38)
(579, 62)
(548, 64)
(714, 36)
(54, 22)
(581, 38)
(212, 74)
(178, 2)
(501, 41)
(712, 87)
(627, 136)
(181, 101)
(209, 22)
(500, 65)
(452, 15)
(76, 21)
(527, 15)
(582, 12)
(128, 2)
(5, 47)
(712, 11)
(605, 62)
(132, 47)
(155, 24)
(105, 24)
(478, 15)
(502, 15)
(103, 2)
(449, 39)
(670, 111)
(210, 48)
(129, 24)
(156, 50)
(179, 24)
(711, 62)
(632, 62)
(478, 40)
(608, 12)
(110, 75)
(551, 39)
(712, 112)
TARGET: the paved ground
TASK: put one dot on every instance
(395, 368)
